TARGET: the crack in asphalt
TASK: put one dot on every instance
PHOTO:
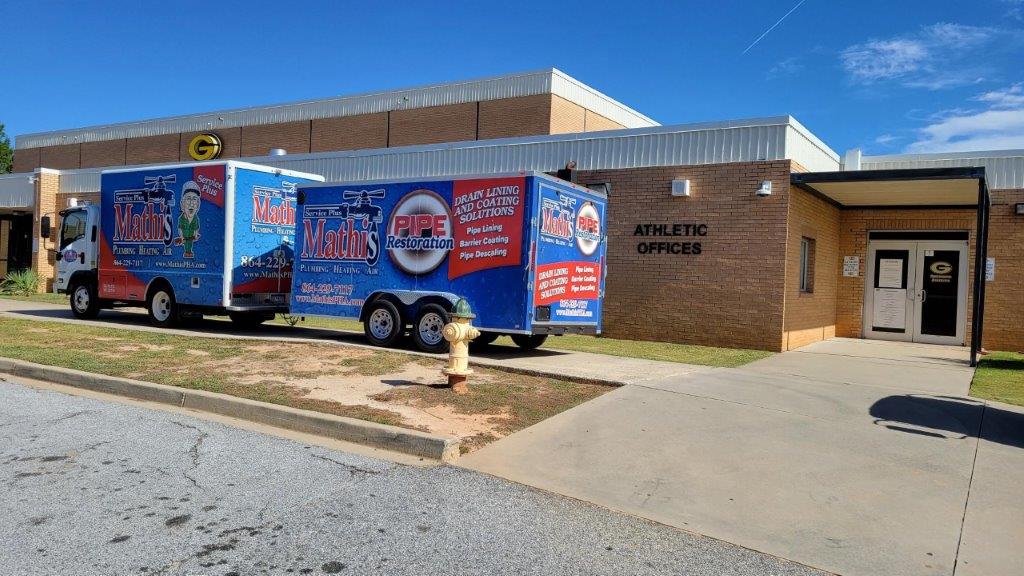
(193, 451)
(352, 470)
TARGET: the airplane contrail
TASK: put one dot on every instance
(773, 26)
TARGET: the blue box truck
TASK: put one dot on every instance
(183, 239)
(527, 251)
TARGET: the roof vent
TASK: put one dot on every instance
(852, 159)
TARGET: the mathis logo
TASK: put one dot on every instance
(557, 218)
(347, 231)
(419, 234)
(144, 216)
(588, 228)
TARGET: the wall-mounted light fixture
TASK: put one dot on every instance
(1018, 209)
(681, 187)
(765, 189)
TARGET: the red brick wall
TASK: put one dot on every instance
(61, 157)
(811, 316)
(728, 295)
(292, 136)
(103, 153)
(350, 132)
(451, 123)
(153, 149)
(1004, 297)
(510, 117)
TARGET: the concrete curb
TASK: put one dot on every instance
(414, 442)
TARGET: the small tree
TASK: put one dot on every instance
(6, 154)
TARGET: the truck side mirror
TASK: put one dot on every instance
(44, 227)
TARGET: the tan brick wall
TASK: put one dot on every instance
(230, 139)
(451, 123)
(47, 185)
(103, 153)
(1004, 297)
(810, 317)
(350, 132)
(729, 295)
(63, 157)
(853, 241)
(592, 122)
(510, 117)
(567, 117)
(26, 159)
(292, 136)
(152, 149)
(5, 234)
(63, 198)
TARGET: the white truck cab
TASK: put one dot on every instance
(77, 255)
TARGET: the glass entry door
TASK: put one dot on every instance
(916, 291)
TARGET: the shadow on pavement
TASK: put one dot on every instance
(949, 418)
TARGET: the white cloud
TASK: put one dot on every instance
(934, 57)
(999, 126)
(785, 68)
(886, 139)
(1012, 97)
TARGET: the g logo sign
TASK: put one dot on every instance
(206, 146)
(941, 268)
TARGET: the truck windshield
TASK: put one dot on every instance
(72, 228)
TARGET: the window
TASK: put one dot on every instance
(73, 228)
(807, 265)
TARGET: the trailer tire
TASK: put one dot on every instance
(161, 307)
(529, 341)
(426, 330)
(484, 339)
(85, 303)
(383, 325)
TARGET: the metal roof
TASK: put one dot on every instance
(550, 81)
(1004, 169)
(773, 138)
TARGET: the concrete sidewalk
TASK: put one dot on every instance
(612, 370)
(851, 456)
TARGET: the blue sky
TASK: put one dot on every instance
(887, 76)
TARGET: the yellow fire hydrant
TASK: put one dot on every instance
(459, 332)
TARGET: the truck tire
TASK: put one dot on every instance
(484, 339)
(426, 330)
(383, 325)
(85, 303)
(161, 307)
(248, 320)
(529, 341)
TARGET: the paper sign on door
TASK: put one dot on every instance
(890, 273)
(890, 308)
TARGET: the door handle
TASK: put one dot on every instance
(82, 257)
(924, 295)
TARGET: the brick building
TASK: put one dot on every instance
(779, 241)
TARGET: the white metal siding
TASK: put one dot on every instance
(1003, 169)
(509, 86)
(17, 191)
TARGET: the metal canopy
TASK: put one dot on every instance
(915, 188)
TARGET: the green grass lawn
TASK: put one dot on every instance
(48, 297)
(663, 351)
(1000, 377)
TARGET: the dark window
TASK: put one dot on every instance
(807, 265)
(73, 228)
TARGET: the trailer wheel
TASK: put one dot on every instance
(426, 330)
(162, 309)
(529, 341)
(383, 325)
(484, 339)
(85, 304)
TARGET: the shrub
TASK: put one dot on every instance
(20, 283)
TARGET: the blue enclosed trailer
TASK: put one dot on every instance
(527, 251)
(200, 238)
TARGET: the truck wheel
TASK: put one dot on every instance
(426, 330)
(484, 339)
(163, 310)
(248, 320)
(383, 324)
(529, 341)
(85, 304)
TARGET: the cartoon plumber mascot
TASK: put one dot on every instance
(188, 219)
